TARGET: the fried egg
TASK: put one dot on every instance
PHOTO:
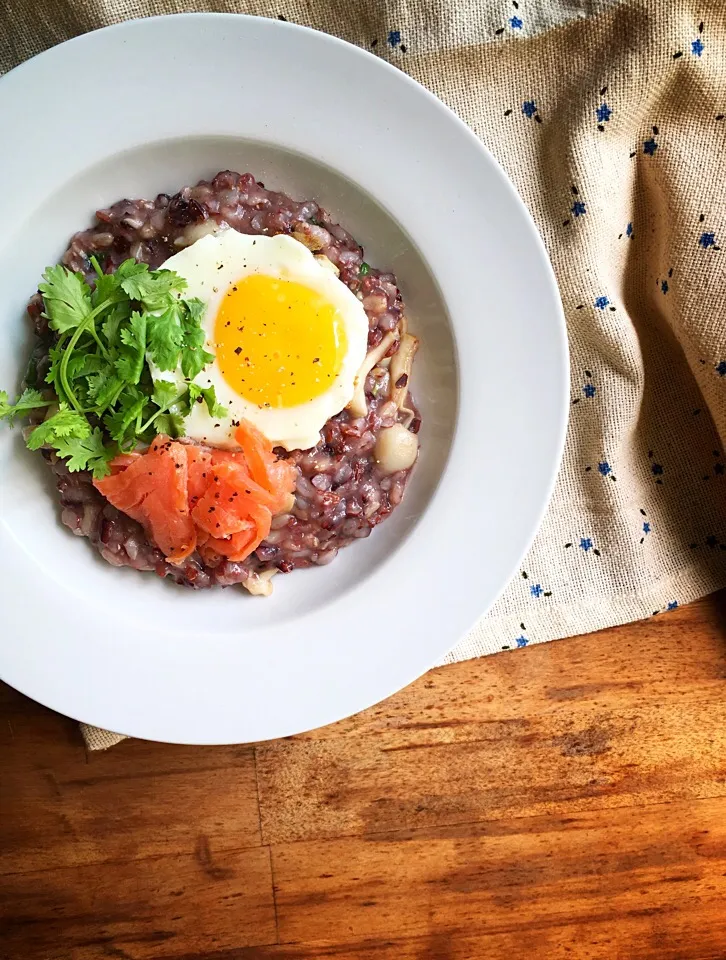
(287, 337)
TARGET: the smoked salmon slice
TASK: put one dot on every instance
(152, 489)
(188, 497)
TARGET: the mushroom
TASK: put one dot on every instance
(312, 236)
(259, 584)
(401, 363)
(327, 263)
(396, 449)
(358, 406)
(195, 231)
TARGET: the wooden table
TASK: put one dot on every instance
(563, 801)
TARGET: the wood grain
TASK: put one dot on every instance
(141, 799)
(630, 721)
(143, 909)
(563, 801)
(528, 874)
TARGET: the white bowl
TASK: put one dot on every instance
(148, 106)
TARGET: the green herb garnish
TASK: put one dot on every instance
(27, 401)
(107, 337)
(364, 269)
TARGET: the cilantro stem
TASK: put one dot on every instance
(85, 324)
(94, 263)
(161, 410)
(112, 402)
(101, 347)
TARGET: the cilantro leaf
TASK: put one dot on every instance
(209, 395)
(194, 360)
(166, 336)
(117, 315)
(194, 356)
(172, 424)
(195, 311)
(27, 401)
(152, 287)
(108, 290)
(67, 298)
(85, 364)
(133, 348)
(64, 424)
(104, 389)
(87, 453)
(120, 422)
(165, 393)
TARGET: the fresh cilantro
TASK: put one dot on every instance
(120, 423)
(171, 404)
(133, 349)
(165, 393)
(87, 453)
(27, 401)
(172, 424)
(150, 287)
(166, 336)
(67, 298)
(108, 339)
(103, 390)
(209, 396)
(194, 357)
(64, 425)
(82, 365)
(112, 321)
(96, 259)
(364, 269)
(108, 290)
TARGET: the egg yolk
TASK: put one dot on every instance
(279, 343)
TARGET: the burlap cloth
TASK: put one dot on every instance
(610, 118)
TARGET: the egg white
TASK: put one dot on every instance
(211, 266)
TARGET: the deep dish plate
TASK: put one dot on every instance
(394, 166)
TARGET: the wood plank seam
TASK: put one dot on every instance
(267, 845)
